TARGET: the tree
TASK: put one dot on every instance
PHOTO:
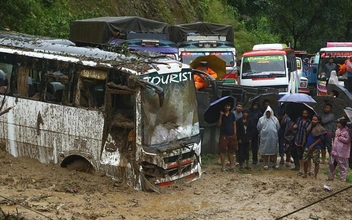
(310, 24)
(294, 19)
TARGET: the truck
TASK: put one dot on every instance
(204, 38)
(270, 65)
(339, 52)
(132, 32)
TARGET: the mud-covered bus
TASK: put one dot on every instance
(135, 118)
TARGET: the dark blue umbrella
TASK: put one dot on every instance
(212, 113)
(297, 98)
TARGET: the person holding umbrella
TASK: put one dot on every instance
(199, 82)
(301, 125)
(228, 138)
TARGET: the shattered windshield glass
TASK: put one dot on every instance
(178, 117)
(263, 66)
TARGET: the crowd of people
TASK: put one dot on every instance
(300, 143)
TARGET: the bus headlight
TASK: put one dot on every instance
(283, 89)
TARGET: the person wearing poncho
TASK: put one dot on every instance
(268, 127)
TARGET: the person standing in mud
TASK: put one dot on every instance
(238, 110)
(238, 115)
(301, 125)
(315, 136)
(328, 122)
(254, 115)
(349, 126)
(268, 127)
(340, 151)
(228, 138)
(244, 138)
(289, 137)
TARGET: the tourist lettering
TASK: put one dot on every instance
(168, 78)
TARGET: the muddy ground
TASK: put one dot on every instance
(30, 190)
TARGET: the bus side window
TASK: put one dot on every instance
(90, 89)
(25, 87)
(54, 92)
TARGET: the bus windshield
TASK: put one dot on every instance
(271, 66)
(228, 57)
(177, 118)
(188, 57)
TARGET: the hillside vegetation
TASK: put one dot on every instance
(52, 17)
(304, 25)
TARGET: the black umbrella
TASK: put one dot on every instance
(343, 93)
(294, 110)
(348, 113)
(337, 105)
(272, 97)
(212, 113)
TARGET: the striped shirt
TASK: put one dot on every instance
(301, 130)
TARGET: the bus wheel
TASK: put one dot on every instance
(78, 163)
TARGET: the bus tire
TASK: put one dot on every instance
(81, 165)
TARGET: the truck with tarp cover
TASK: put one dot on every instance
(133, 32)
(204, 38)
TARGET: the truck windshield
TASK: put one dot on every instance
(178, 117)
(263, 67)
(188, 57)
(228, 57)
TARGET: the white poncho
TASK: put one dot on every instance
(268, 130)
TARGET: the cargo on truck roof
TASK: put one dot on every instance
(101, 30)
(178, 33)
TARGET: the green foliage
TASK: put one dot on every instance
(245, 39)
(217, 11)
(307, 25)
(349, 178)
(208, 159)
